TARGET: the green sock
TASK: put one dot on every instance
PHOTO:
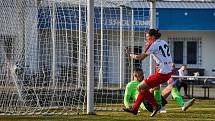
(157, 96)
(177, 96)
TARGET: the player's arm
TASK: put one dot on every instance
(127, 96)
(138, 57)
(135, 56)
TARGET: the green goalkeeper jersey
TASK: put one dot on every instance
(131, 94)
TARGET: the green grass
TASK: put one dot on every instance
(201, 111)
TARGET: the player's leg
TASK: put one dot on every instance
(154, 81)
(144, 94)
(151, 82)
(166, 91)
(184, 105)
(188, 104)
(143, 103)
(177, 95)
(157, 95)
(136, 105)
(171, 88)
(146, 105)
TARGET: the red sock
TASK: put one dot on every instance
(149, 97)
(138, 101)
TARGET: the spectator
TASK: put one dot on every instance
(182, 81)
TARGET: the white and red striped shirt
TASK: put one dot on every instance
(161, 54)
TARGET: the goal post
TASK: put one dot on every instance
(152, 4)
(90, 57)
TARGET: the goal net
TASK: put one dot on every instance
(119, 25)
(43, 54)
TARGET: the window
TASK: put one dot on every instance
(178, 52)
(186, 50)
(192, 52)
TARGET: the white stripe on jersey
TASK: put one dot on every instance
(161, 54)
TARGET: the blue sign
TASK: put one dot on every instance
(167, 19)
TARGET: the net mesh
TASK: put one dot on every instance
(44, 54)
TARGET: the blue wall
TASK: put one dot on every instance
(167, 19)
(196, 19)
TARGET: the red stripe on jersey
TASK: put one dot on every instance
(151, 40)
(157, 69)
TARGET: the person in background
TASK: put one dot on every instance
(182, 81)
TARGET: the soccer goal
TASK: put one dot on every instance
(44, 54)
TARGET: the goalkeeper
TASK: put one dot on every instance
(131, 92)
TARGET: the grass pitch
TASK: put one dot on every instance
(200, 111)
